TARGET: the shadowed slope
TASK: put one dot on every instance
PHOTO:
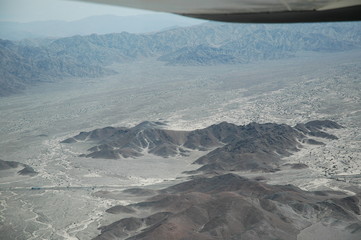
(27, 170)
(251, 147)
(233, 207)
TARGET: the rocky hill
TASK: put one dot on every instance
(232, 207)
(251, 147)
(26, 169)
(31, 61)
(260, 146)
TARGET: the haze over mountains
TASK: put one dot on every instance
(29, 62)
(102, 24)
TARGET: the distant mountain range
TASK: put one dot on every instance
(102, 24)
(251, 147)
(32, 61)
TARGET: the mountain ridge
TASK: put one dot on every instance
(29, 62)
(101, 24)
(249, 147)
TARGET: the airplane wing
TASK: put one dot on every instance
(256, 11)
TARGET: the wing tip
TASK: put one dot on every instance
(332, 15)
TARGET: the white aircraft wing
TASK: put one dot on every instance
(266, 11)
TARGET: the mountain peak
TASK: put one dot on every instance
(149, 124)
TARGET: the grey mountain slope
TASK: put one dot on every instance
(27, 65)
(253, 43)
(200, 55)
(30, 62)
(251, 147)
(232, 207)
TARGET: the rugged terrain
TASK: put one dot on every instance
(251, 147)
(170, 177)
(30, 62)
(215, 205)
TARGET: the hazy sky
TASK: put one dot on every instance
(39, 10)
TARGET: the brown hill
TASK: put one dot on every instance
(233, 207)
